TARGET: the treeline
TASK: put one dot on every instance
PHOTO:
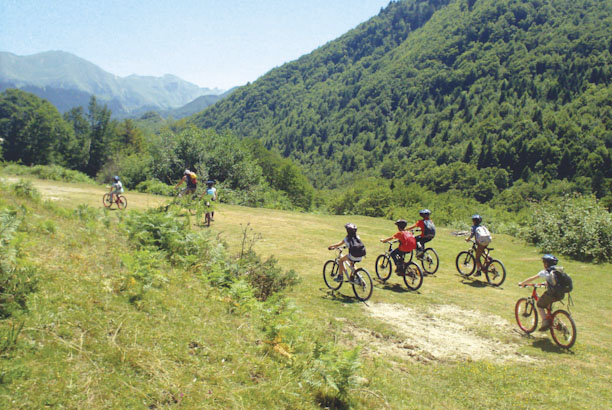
(87, 140)
(469, 96)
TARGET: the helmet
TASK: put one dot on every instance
(116, 178)
(424, 212)
(350, 228)
(550, 259)
(187, 172)
(210, 182)
(477, 217)
(401, 223)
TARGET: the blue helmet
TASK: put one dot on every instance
(116, 178)
(210, 182)
(477, 217)
(550, 259)
(424, 212)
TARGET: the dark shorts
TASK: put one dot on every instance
(547, 299)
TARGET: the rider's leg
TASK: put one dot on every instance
(342, 269)
(479, 250)
(544, 303)
(398, 257)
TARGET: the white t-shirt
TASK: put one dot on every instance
(118, 187)
(548, 276)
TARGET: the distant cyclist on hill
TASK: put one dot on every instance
(190, 178)
(116, 188)
(211, 192)
(428, 231)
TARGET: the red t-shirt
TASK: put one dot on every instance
(407, 241)
(421, 225)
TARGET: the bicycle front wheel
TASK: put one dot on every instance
(413, 277)
(563, 329)
(496, 272)
(362, 284)
(383, 267)
(430, 261)
(526, 315)
(465, 263)
(106, 201)
(330, 272)
(121, 202)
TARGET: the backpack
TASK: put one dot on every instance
(564, 282)
(356, 247)
(407, 240)
(483, 236)
(430, 228)
(192, 179)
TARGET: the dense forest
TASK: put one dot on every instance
(492, 98)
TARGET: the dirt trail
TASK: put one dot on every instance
(440, 333)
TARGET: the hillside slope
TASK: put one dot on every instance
(521, 88)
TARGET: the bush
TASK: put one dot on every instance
(50, 172)
(577, 226)
(154, 186)
(26, 189)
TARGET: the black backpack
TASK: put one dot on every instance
(430, 228)
(356, 247)
(564, 282)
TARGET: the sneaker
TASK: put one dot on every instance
(545, 325)
(338, 278)
(478, 273)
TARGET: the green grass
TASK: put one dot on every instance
(186, 345)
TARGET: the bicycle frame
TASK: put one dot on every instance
(535, 297)
(351, 266)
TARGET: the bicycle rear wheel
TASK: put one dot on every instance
(526, 315)
(121, 202)
(413, 278)
(465, 263)
(430, 261)
(330, 271)
(563, 329)
(383, 267)
(496, 272)
(362, 284)
(106, 200)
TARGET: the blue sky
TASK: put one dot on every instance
(212, 43)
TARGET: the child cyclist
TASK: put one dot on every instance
(115, 189)
(349, 241)
(428, 231)
(211, 192)
(407, 245)
(548, 297)
(483, 238)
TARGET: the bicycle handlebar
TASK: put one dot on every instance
(535, 285)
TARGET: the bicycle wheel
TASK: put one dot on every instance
(526, 315)
(413, 278)
(430, 261)
(383, 267)
(496, 272)
(563, 329)
(408, 257)
(330, 271)
(362, 284)
(106, 201)
(466, 263)
(121, 202)
(207, 219)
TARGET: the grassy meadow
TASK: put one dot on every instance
(452, 344)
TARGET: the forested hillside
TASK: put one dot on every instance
(473, 96)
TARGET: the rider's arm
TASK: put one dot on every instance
(180, 182)
(387, 240)
(337, 245)
(531, 279)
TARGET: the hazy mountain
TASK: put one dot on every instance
(67, 81)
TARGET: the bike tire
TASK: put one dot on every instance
(465, 263)
(526, 315)
(563, 329)
(408, 257)
(330, 271)
(207, 219)
(413, 277)
(383, 267)
(430, 261)
(496, 272)
(362, 284)
(121, 202)
(106, 201)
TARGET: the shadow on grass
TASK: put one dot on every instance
(476, 283)
(327, 401)
(394, 287)
(336, 295)
(547, 345)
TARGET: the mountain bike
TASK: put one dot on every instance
(429, 260)
(359, 278)
(413, 278)
(493, 269)
(562, 328)
(187, 200)
(119, 200)
(208, 209)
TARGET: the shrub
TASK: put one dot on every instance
(26, 189)
(154, 186)
(577, 226)
(50, 172)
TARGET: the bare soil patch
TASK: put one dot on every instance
(438, 333)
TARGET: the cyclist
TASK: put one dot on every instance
(190, 178)
(549, 296)
(211, 191)
(428, 231)
(116, 188)
(407, 245)
(483, 239)
(351, 235)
